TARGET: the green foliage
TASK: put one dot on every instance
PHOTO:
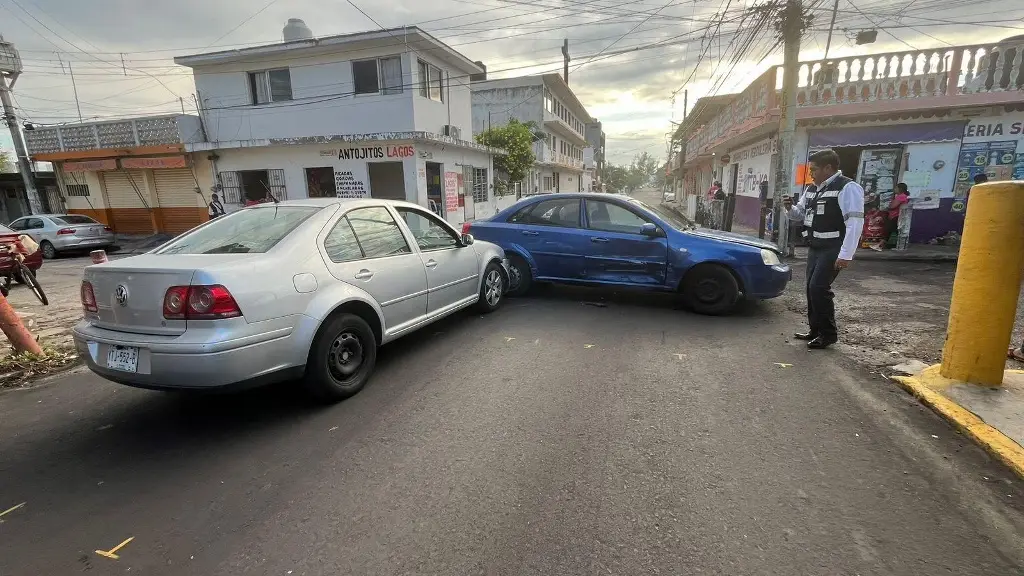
(641, 171)
(6, 164)
(516, 139)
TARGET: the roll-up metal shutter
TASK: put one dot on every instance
(125, 192)
(176, 193)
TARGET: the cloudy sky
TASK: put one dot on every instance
(121, 50)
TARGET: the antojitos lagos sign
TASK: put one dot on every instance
(369, 152)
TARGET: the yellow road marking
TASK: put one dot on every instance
(783, 365)
(110, 553)
(11, 509)
(679, 356)
(588, 345)
(509, 338)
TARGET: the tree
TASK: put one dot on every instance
(6, 165)
(642, 170)
(615, 178)
(516, 139)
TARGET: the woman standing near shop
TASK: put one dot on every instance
(892, 220)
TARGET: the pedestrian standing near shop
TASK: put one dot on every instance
(215, 209)
(832, 210)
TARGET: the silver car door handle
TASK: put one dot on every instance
(364, 274)
(430, 263)
(529, 233)
(600, 240)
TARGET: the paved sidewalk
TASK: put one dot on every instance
(992, 417)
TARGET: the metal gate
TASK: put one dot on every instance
(176, 193)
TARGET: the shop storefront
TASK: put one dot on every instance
(879, 157)
(993, 145)
(454, 181)
(750, 166)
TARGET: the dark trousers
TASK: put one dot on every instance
(821, 308)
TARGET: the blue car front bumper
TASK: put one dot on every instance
(764, 282)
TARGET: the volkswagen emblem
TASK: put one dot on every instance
(121, 294)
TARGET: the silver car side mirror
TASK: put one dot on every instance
(467, 239)
(649, 229)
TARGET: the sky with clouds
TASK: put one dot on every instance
(121, 50)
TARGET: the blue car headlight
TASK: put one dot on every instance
(770, 258)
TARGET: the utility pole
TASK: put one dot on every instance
(10, 67)
(565, 60)
(74, 87)
(792, 25)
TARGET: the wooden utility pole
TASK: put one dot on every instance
(792, 25)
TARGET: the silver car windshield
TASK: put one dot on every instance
(253, 230)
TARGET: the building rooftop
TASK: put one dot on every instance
(411, 37)
(553, 82)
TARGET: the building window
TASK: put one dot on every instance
(431, 82)
(77, 189)
(547, 183)
(252, 186)
(479, 184)
(270, 86)
(378, 76)
(549, 104)
(320, 182)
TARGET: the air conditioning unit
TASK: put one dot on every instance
(452, 131)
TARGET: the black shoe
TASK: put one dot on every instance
(821, 342)
(805, 335)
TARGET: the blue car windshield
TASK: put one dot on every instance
(677, 220)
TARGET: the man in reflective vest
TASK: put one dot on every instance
(832, 210)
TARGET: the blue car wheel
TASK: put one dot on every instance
(710, 289)
(520, 278)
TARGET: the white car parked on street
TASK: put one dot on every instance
(302, 289)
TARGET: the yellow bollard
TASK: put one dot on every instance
(988, 279)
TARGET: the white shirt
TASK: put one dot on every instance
(851, 202)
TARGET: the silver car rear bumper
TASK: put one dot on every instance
(189, 363)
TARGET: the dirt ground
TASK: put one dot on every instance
(891, 310)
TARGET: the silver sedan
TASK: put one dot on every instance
(301, 289)
(64, 232)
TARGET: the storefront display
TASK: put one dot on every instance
(995, 159)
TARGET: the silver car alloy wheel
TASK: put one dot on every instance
(493, 287)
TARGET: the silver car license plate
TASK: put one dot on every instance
(123, 358)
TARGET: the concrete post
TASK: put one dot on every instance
(988, 279)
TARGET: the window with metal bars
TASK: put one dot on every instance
(77, 189)
(480, 185)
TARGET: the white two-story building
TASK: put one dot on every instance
(384, 114)
(547, 101)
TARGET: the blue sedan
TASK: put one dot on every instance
(606, 240)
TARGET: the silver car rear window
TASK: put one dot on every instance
(253, 230)
(74, 219)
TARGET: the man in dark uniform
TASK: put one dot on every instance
(832, 210)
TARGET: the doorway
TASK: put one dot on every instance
(435, 189)
(387, 180)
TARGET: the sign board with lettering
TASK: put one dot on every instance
(451, 192)
(154, 163)
(754, 164)
(89, 165)
(370, 153)
(350, 180)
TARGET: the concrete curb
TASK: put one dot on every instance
(926, 388)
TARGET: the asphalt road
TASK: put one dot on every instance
(552, 437)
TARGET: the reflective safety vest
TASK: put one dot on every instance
(824, 225)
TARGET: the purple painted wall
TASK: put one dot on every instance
(748, 211)
(928, 224)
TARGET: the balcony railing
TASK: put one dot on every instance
(546, 155)
(114, 134)
(956, 75)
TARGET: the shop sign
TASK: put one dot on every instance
(154, 163)
(350, 182)
(754, 164)
(451, 192)
(997, 159)
(994, 127)
(369, 152)
(89, 166)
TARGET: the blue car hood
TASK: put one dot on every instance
(733, 237)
